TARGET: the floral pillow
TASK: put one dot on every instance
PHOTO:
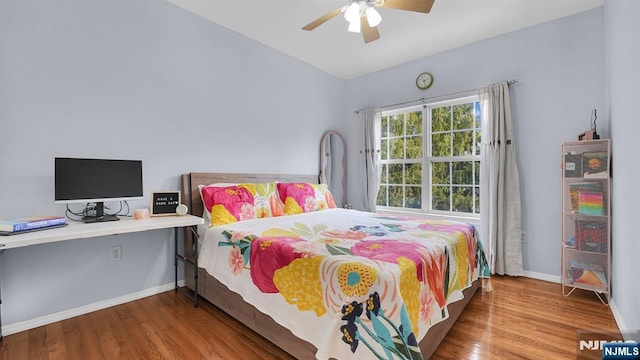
(324, 197)
(228, 204)
(296, 198)
(206, 214)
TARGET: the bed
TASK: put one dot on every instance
(343, 271)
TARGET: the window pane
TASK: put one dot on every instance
(463, 143)
(477, 199)
(441, 119)
(384, 153)
(463, 199)
(397, 148)
(462, 173)
(414, 147)
(382, 196)
(395, 196)
(413, 198)
(396, 125)
(384, 123)
(395, 174)
(440, 198)
(401, 119)
(414, 174)
(463, 116)
(441, 144)
(414, 123)
(477, 175)
(453, 185)
(440, 173)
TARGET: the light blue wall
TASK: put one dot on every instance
(137, 80)
(110, 79)
(622, 32)
(560, 68)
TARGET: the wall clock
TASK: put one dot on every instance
(424, 81)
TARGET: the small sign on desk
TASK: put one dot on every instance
(164, 202)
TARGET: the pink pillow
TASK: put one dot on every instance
(265, 202)
(299, 198)
(228, 204)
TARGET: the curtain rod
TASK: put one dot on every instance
(422, 99)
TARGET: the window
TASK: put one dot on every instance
(431, 158)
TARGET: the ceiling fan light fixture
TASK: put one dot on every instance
(373, 17)
(354, 26)
(352, 14)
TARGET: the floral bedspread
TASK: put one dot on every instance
(356, 285)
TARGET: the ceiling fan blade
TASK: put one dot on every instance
(423, 6)
(322, 19)
(369, 33)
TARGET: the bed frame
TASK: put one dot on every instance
(233, 304)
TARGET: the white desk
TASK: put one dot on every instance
(76, 230)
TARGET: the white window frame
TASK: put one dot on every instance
(427, 160)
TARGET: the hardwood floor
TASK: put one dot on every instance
(525, 318)
(520, 319)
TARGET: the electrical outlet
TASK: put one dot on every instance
(116, 253)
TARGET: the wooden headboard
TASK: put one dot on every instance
(190, 182)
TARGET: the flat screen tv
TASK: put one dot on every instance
(96, 181)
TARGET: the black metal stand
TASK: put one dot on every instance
(1, 337)
(188, 261)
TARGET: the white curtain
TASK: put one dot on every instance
(500, 220)
(371, 161)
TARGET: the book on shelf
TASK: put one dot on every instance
(572, 165)
(600, 175)
(575, 189)
(31, 223)
(591, 236)
(588, 274)
(595, 164)
(570, 242)
(569, 275)
(590, 203)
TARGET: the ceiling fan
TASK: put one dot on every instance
(363, 17)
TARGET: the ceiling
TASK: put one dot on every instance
(404, 35)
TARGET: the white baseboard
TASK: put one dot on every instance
(618, 318)
(66, 314)
(541, 276)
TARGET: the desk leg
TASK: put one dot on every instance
(1, 337)
(195, 263)
(187, 262)
(175, 257)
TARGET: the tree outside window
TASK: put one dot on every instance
(431, 158)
